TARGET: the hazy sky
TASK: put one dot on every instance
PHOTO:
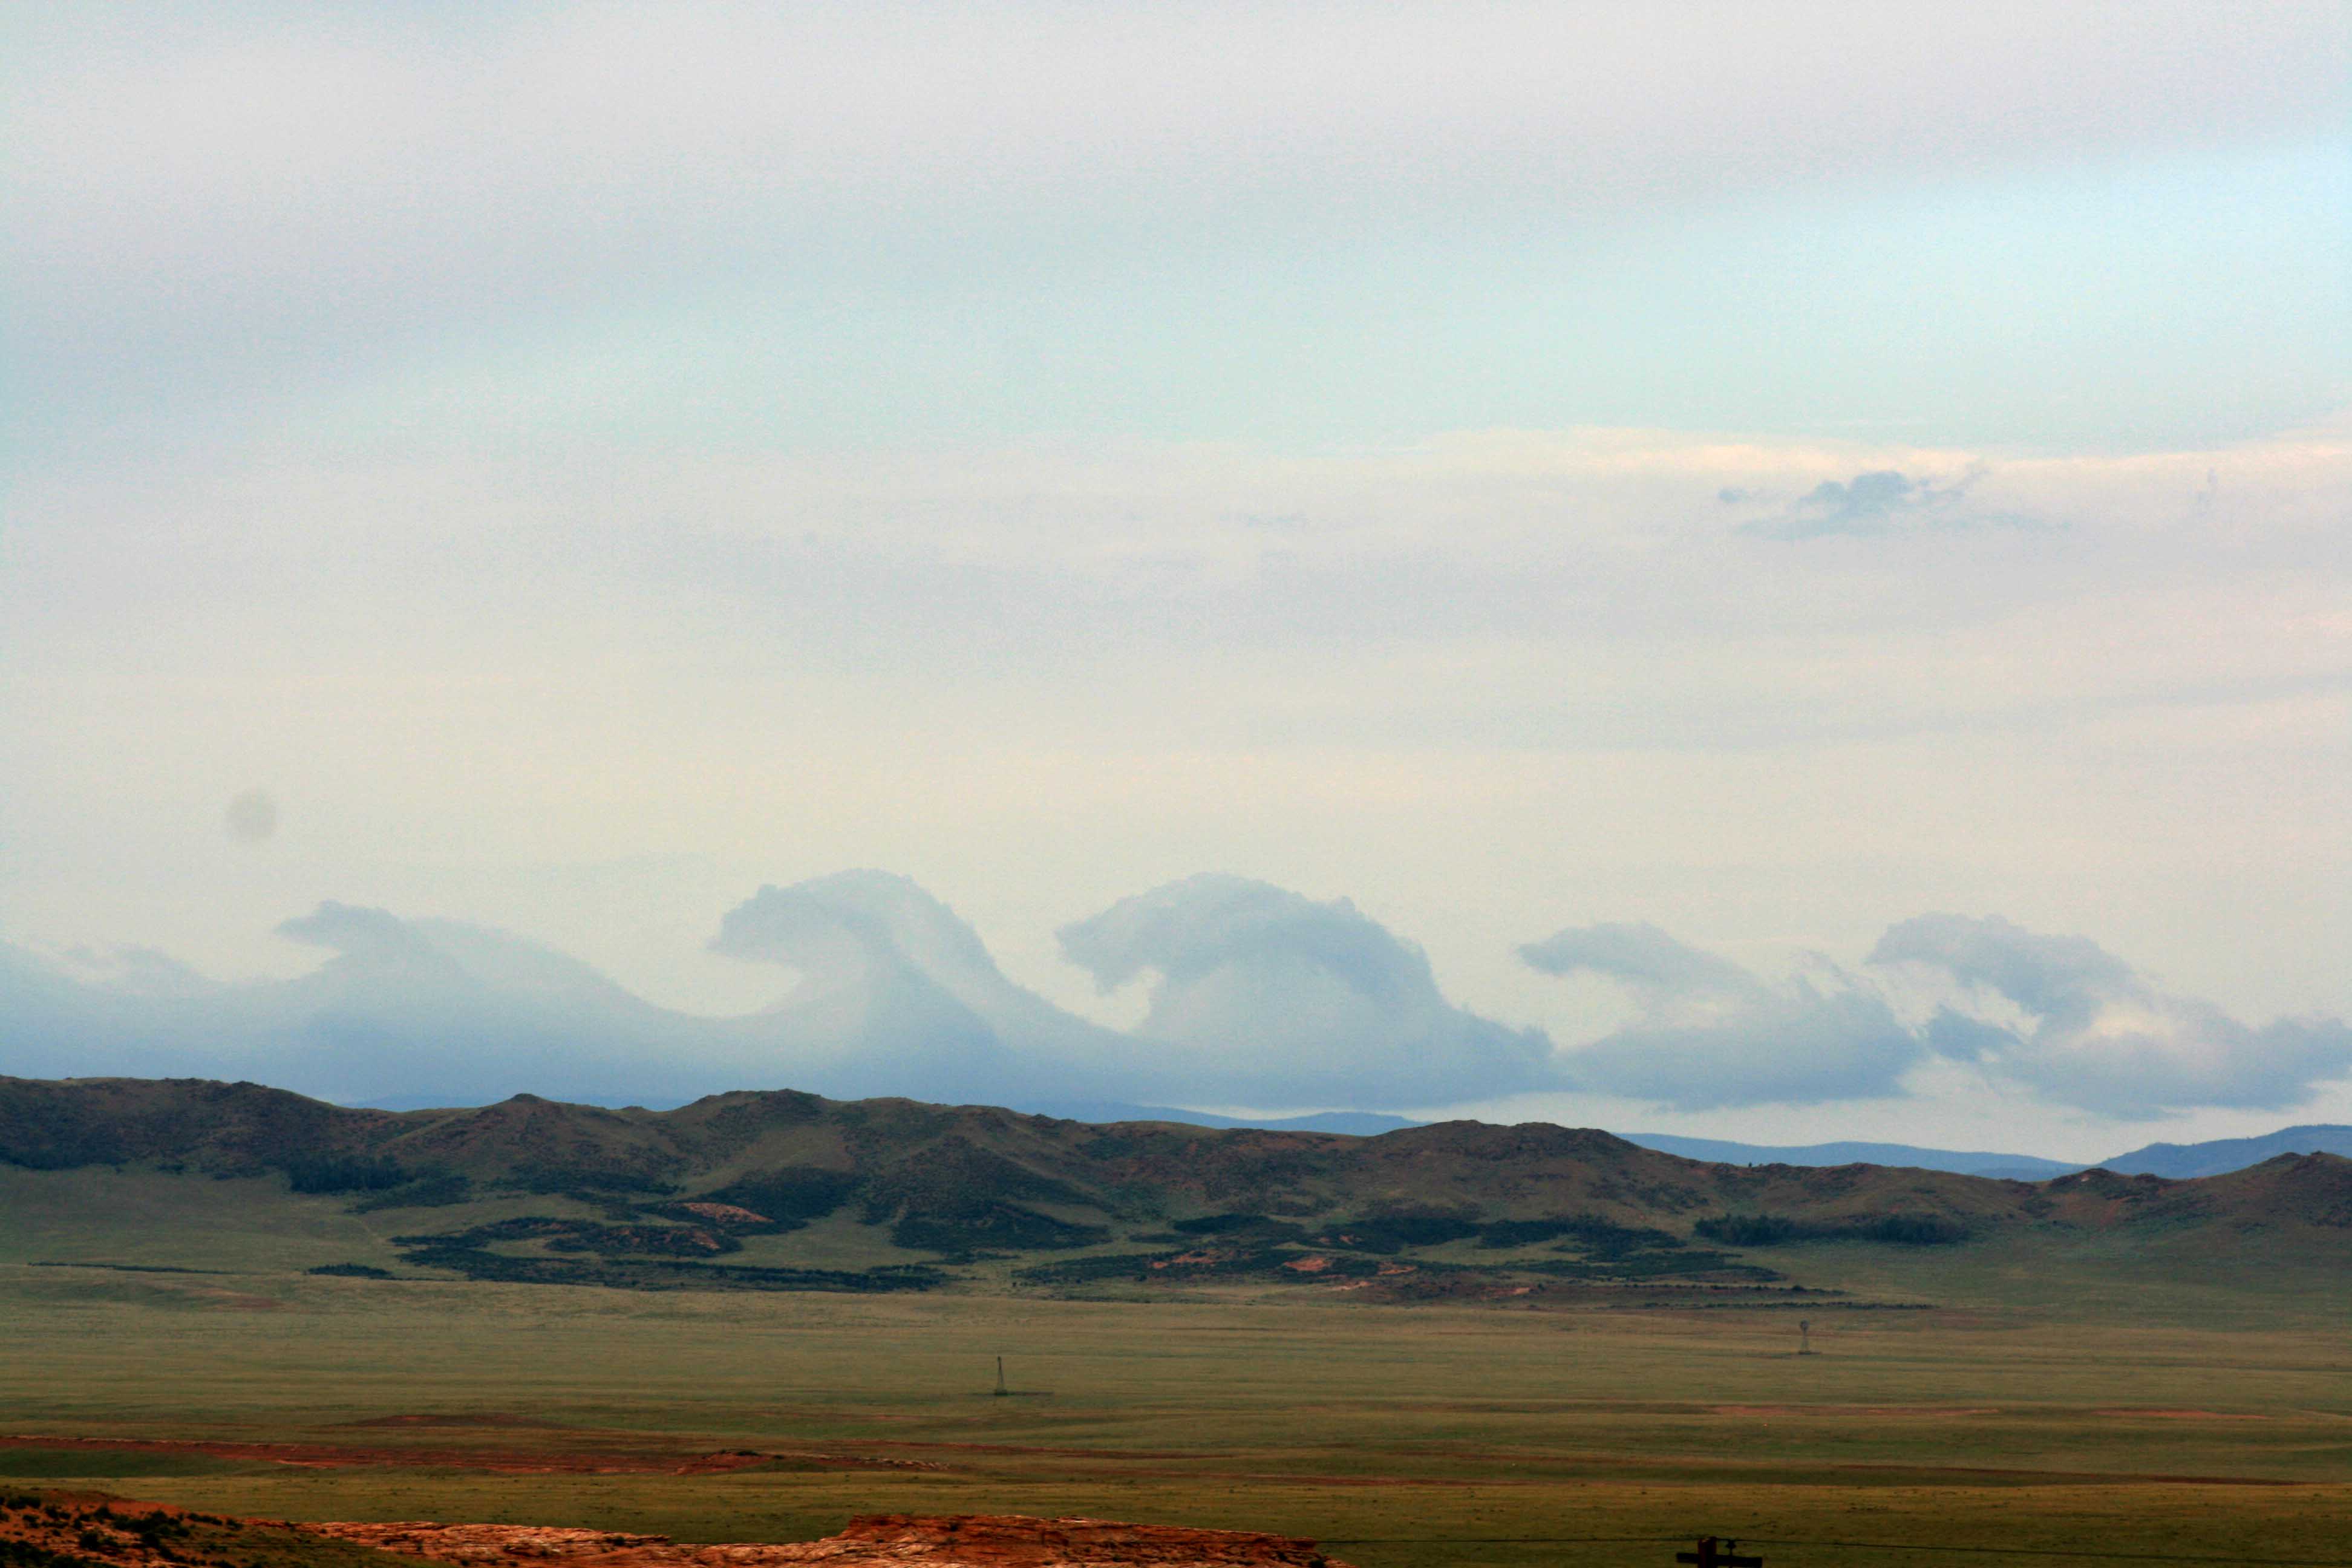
(1765, 472)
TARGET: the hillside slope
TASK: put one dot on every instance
(788, 1191)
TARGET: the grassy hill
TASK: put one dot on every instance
(787, 1191)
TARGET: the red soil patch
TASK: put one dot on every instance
(2179, 1415)
(122, 1534)
(966, 1541)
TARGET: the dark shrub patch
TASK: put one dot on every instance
(1394, 1232)
(664, 1274)
(992, 1225)
(1256, 1226)
(584, 1235)
(440, 1190)
(1751, 1229)
(1602, 1237)
(590, 1185)
(1780, 1230)
(1913, 1230)
(350, 1271)
(797, 1193)
(342, 1173)
(1218, 1224)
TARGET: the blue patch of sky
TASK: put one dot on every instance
(2176, 304)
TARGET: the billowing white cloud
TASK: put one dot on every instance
(1258, 996)
(2084, 1028)
(1268, 999)
(1264, 996)
(897, 995)
(2057, 1016)
(1712, 1035)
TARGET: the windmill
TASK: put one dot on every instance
(1002, 1392)
(1804, 1337)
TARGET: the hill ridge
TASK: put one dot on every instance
(716, 1193)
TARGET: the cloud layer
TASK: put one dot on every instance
(1712, 1035)
(1262, 996)
(2087, 1030)
(2057, 1015)
(1258, 998)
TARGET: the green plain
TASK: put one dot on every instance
(2137, 1406)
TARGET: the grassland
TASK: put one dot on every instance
(2221, 1425)
(2097, 1369)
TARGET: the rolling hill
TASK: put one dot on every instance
(789, 1191)
(2225, 1154)
(2213, 1158)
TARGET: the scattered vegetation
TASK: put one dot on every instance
(790, 1197)
(1395, 1232)
(344, 1174)
(1784, 1230)
(442, 1189)
(967, 1228)
(1594, 1235)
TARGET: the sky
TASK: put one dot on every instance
(1791, 563)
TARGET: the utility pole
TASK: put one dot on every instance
(1718, 1553)
(1001, 1391)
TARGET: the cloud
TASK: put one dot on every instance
(891, 993)
(1262, 996)
(1712, 1035)
(136, 970)
(2057, 1015)
(1265, 998)
(898, 995)
(413, 1012)
(1258, 996)
(2085, 1029)
(1877, 501)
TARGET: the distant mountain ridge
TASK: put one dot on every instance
(1353, 1124)
(2221, 1155)
(2214, 1157)
(2009, 1167)
(2176, 1161)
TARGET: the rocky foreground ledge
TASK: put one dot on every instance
(943, 1541)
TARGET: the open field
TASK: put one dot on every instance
(1433, 1435)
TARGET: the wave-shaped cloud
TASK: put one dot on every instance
(898, 995)
(1711, 1034)
(2058, 1016)
(1259, 996)
(2090, 1031)
(1265, 996)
